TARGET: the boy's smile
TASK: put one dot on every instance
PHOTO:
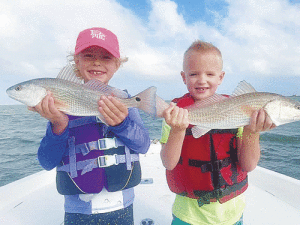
(202, 73)
(96, 63)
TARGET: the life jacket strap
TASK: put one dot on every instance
(72, 157)
(210, 166)
(220, 193)
(99, 162)
(101, 144)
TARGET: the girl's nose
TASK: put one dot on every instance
(97, 62)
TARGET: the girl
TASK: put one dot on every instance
(97, 164)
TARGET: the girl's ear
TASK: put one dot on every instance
(76, 59)
(118, 63)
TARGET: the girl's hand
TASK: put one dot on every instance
(176, 118)
(260, 121)
(113, 111)
(47, 109)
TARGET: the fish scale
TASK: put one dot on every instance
(228, 114)
(85, 103)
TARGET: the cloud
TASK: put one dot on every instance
(265, 36)
(150, 62)
(257, 38)
(29, 68)
(39, 33)
(165, 20)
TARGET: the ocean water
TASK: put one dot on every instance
(22, 130)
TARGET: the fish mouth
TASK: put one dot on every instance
(9, 91)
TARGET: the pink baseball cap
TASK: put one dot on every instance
(100, 37)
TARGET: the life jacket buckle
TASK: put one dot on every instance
(217, 165)
(107, 160)
(220, 192)
(107, 143)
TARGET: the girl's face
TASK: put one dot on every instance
(96, 63)
(202, 74)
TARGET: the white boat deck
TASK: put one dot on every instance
(272, 198)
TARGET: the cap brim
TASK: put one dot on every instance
(83, 47)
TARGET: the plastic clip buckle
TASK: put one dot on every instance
(107, 143)
(107, 160)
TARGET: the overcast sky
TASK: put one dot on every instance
(259, 40)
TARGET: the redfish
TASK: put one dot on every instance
(78, 99)
(220, 112)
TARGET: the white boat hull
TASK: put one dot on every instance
(272, 198)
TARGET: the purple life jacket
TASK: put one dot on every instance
(94, 159)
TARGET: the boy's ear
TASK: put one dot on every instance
(183, 77)
(222, 77)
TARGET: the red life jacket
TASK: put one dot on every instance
(208, 168)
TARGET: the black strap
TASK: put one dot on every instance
(204, 196)
(210, 166)
(180, 160)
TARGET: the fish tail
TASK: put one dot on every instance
(147, 100)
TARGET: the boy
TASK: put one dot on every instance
(208, 174)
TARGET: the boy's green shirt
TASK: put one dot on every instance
(187, 209)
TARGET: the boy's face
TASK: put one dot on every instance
(202, 73)
(96, 63)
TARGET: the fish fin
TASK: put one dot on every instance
(209, 101)
(199, 131)
(101, 118)
(243, 88)
(161, 105)
(147, 99)
(277, 123)
(247, 110)
(108, 90)
(67, 73)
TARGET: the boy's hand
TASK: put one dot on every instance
(114, 111)
(47, 109)
(260, 121)
(176, 118)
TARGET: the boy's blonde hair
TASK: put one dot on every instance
(202, 46)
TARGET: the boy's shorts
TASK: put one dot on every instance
(177, 221)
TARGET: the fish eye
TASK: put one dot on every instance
(138, 99)
(18, 88)
(298, 107)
